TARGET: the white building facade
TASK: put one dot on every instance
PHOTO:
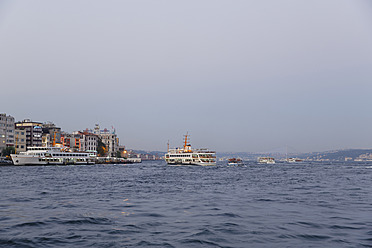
(109, 138)
(89, 142)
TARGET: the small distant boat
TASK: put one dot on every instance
(5, 161)
(266, 160)
(235, 162)
(294, 160)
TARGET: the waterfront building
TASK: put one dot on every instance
(71, 140)
(85, 140)
(6, 131)
(109, 138)
(111, 142)
(20, 140)
(89, 141)
(46, 140)
(33, 130)
(123, 152)
(51, 135)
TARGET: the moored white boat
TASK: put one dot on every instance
(52, 156)
(266, 160)
(188, 156)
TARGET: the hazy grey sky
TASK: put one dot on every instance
(237, 75)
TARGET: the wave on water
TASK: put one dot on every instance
(155, 205)
(87, 220)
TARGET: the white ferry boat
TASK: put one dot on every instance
(266, 160)
(52, 156)
(188, 156)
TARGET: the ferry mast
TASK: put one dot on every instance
(187, 147)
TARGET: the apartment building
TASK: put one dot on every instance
(89, 141)
(33, 131)
(109, 138)
(20, 140)
(51, 134)
(6, 131)
(71, 140)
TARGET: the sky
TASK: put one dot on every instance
(238, 76)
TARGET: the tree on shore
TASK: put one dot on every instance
(101, 149)
(118, 154)
(7, 151)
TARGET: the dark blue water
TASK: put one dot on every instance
(154, 205)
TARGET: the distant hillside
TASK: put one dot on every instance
(336, 155)
(339, 155)
(149, 152)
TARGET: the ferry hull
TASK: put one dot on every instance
(191, 163)
(39, 160)
(235, 164)
(27, 160)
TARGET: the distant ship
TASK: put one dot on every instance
(52, 156)
(189, 156)
(294, 160)
(266, 160)
(235, 162)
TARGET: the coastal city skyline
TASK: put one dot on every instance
(238, 76)
(51, 135)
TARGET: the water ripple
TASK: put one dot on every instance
(154, 205)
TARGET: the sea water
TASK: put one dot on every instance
(155, 205)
